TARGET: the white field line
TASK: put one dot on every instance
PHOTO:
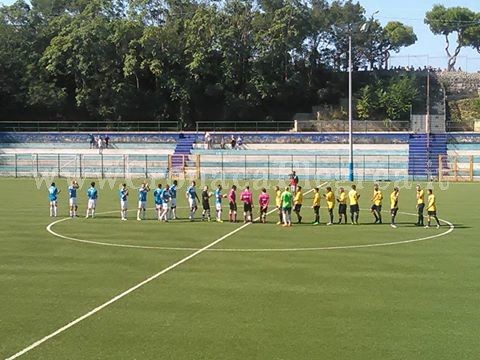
(126, 292)
(344, 247)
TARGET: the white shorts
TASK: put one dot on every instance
(165, 206)
(124, 204)
(192, 203)
(92, 203)
(72, 201)
(173, 202)
(142, 204)
(218, 207)
(53, 203)
(158, 206)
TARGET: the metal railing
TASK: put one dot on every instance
(304, 126)
(202, 126)
(357, 125)
(244, 126)
(217, 167)
(89, 125)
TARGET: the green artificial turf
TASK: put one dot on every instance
(413, 300)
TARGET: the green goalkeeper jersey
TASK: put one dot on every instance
(287, 199)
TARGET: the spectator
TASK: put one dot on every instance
(107, 139)
(222, 143)
(239, 142)
(100, 145)
(91, 139)
(208, 140)
(233, 142)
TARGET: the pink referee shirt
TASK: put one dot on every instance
(263, 199)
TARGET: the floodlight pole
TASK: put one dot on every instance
(350, 116)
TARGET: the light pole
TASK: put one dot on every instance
(350, 114)
(364, 28)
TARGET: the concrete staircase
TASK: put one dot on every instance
(182, 151)
(424, 150)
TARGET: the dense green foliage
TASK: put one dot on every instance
(183, 60)
(459, 21)
(388, 99)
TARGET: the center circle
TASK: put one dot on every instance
(49, 228)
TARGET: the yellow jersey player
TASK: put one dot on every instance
(394, 206)
(420, 205)
(432, 209)
(316, 205)
(278, 204)
(298, 201)
(376, 208)
(330, 197)
(353, 197)
(342, 205)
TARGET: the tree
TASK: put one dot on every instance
(472, 34)
(447, 21)
(396, 35)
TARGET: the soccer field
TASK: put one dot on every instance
(106, 289)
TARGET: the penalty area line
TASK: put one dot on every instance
(126, 292)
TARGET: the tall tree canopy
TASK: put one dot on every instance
(183, 60)
(456, 21)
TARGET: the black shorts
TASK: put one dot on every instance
(354, 208)
(376, 208)
(233, 206)
(263, 210)
(247, 207)
(206, 206)
(342, 208)
(287, 210)
(432, 213)
(394, 211)
(298, 207)
(316, 209)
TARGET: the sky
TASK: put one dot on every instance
(429, 48)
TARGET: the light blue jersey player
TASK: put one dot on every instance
(92, 195)
(173, 201)
(192, 198)
(123, 195)
(166, 198)
(142, 201)
(72, 198)
(158, 196)
(218, 202)
(52, 199)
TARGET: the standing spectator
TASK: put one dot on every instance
(100, 145)
(233, 142)
(210, 141)
(222, 143)
(239, 142)
(205, 139)
(107, 139)
(293, 182)
(91, 139)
